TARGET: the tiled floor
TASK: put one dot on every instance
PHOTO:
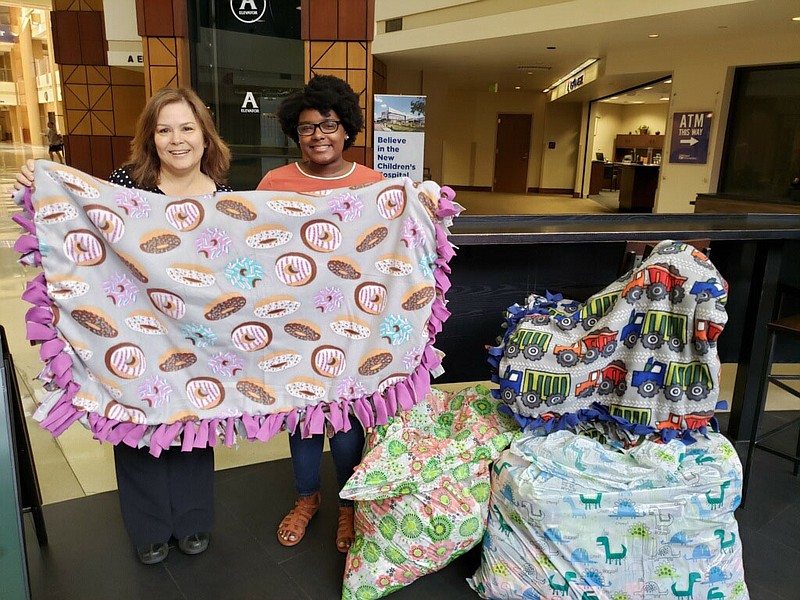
(89, 555)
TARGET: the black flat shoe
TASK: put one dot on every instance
(152, 554)
(194, 544)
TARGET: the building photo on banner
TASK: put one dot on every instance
(399, 144)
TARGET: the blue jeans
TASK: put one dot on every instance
(346, 450)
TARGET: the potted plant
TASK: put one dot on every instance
(644, 129)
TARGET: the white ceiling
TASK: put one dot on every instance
(474, 65)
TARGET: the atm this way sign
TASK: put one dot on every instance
(690, 135)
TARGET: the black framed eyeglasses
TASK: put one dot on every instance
(327, 126)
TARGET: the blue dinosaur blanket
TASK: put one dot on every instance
(180, 320)
(572, 518)
(637, 358)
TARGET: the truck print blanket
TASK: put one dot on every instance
(637, 358)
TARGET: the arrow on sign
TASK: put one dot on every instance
(691, 141)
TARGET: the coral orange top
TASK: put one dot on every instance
(290, 178)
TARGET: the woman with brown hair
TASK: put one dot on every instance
(175, 151)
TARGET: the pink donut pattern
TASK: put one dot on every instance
(246, 306)
(213, 243)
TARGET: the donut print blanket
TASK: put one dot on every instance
(186, 321)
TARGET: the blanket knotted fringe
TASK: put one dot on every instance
(375, 409)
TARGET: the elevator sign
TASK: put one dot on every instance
(690, 135)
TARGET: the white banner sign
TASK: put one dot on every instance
(399, 136)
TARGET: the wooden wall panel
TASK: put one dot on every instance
(79, 152)
(323, 20)
(353, 20)
(66, 49)
(91, 37)
(101, 155)
(128, 103)
(120, 150)
(162, 18)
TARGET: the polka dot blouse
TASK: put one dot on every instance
(122, 177)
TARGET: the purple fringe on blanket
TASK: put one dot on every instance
(372, 410)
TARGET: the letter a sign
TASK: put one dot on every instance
(248, 11)
(249, 105)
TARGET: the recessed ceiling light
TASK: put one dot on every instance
(668, 81)
(795, 18)
(637, 101)
(649, 87)
(653, 35)
(614, 98)
(516, 87)
(530, 72)
(664, 98)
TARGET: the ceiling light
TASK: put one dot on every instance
(516, 87)
(653, 35)
(668, 81)
(664, 98)
(795, 18)
(614, 98)
(588, 62)
(649, 87)
(637, 101)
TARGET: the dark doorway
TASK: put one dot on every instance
(511, 153)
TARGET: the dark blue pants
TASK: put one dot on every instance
(346, 450)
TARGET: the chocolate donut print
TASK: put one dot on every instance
(76, 182)
(328, 361)
(143, 321)
(84, 248)
(418, 297)
(371, 297)
(343, 267)
(251, 336)
(295, 269)
(371, 238)
(303, 330)
(321, 235)
(54, 210)
(293, 207)
(394, 265)
(275, 307)
(192, 275)
(184, 215)
(95, 320)
(205, 392)
(374, 362)
(236, 208)
(126, 361)
(256, 391)
(224, 306)
(182, 416)
(159, 241)
(268, 236)
(392, 202)
(109, 223)
(306, 389)
(176, 359)
(134, 267)
(431, 205)
(168, 303)
(279, 361)
(351, 328)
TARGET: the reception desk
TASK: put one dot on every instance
(637, 186)
(503, 258)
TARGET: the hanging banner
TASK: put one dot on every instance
(399, 136)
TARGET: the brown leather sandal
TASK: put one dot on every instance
(345, 531)
(292, 527)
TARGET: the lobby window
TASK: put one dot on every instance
(244, 62)
(5, 67)
(761, 157)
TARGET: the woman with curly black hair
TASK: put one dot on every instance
(324, 119)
